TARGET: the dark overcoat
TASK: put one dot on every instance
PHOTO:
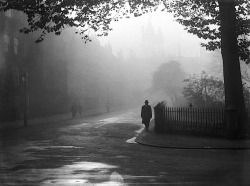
(146, 114)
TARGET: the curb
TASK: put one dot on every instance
(140, 141)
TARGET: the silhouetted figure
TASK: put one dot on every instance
(146, 114)
(74, 110)
(79, 109)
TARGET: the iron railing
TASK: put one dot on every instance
(200, 121)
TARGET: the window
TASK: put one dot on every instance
(6, 42)
(15, 45)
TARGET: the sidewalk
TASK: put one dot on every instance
(10, 125)
(181, 141)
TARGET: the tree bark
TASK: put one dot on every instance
(231, 64)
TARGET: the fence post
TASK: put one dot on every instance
(159, 118)
(232, 122)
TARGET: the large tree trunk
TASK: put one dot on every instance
(231, 64)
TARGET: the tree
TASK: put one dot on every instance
(224, 23)
(168, 78)
(55, 15)
(215, 67)
(204, 90)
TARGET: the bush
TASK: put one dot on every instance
(204, 91)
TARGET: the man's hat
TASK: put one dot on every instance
(146, 101)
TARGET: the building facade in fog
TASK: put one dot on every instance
(153, 44)
(60, 71)
(13, 64)
(96, 78)
(21, 57)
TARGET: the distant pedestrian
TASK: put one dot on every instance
(74, 110)
(146, 114)
(79, 109)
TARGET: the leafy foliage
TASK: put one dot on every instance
(204, 90)
(201, 18)
(55, 15)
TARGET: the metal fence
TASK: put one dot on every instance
(244, 130)
(195, 120)
(200, 121)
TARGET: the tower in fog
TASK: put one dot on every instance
(152, 44)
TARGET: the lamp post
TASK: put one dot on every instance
(25, 81)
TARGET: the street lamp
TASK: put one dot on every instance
(25, 81)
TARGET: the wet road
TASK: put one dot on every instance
(100, 151)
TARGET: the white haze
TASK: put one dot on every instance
(134, 65)
(114, 71)
(126, 41)
(126, 35)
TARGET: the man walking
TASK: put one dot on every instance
(146, 114)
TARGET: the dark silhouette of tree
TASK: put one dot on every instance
(215, 67)
(56, 15)
(223, 23)
(205, 19)
(168, 78)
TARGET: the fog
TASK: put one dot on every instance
(95, 77)
(154, 39)
(112, 72)
(127, 35)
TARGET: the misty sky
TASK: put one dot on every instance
(126, 35)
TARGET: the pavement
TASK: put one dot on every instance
(17, 124)
(149, 138)
(182, 141)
